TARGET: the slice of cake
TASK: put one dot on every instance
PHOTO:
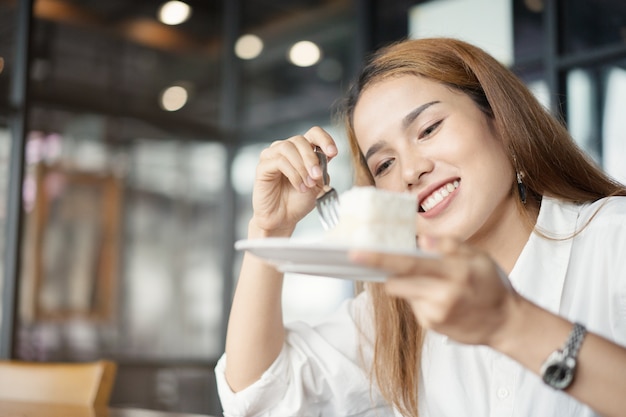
(371, 217)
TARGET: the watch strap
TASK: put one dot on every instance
(575, 339)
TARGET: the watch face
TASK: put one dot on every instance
(558, 375)
(558, 370)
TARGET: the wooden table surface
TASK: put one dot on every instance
(31, 409)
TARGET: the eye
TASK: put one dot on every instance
(380, 169)
(430, 129)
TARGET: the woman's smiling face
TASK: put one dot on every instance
(423, 137)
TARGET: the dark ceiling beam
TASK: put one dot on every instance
(78, 99)
(151, 33)
(140, 30)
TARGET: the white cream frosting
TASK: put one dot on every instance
(372, 217)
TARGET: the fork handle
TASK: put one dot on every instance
(323, 164)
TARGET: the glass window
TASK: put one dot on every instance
(613, 133)
(583, 110)
(484, 23)
(172, 270)
(130, 260)
(122, 123)
(535, 81)
(591, 24)
(280, 91)
(528, 34)
(595, 114)
(7, 41)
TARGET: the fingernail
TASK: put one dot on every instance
(303, 188)
(310, 182)
(331, 149)
(316, 172)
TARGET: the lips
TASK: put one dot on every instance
(439, 195)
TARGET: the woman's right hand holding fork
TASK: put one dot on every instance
(288, 180)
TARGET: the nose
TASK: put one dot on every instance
(414, 166)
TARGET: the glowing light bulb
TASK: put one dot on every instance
(304, 54)
(248, 46)
(174, 98)
(174, 12)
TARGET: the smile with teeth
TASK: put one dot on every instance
(439, 195)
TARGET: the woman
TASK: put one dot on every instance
(529, 247)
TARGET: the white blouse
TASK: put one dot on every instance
(320, 370)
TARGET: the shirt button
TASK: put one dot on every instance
(503, 393)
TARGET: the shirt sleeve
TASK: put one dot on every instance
(602, 264)
(319, 372)
(614, 241)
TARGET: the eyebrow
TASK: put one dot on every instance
(409, 118)
(406, 121)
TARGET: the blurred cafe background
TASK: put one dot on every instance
(129, 133)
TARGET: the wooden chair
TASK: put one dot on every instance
(87, 383)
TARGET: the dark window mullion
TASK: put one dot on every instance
(555, 76)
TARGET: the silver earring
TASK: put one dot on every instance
(521, 187)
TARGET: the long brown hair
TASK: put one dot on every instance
(538, 144)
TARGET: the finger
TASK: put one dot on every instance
(398, 264)
(284, 158)
(310, 159)
(318, 136)
(444, 245)
(412, 287)
(299, 149)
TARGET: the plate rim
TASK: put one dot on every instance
(256, 246)
(300, 243)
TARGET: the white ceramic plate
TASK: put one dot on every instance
(316, 258)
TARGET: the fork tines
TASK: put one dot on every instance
(327, 208)
(327, 203)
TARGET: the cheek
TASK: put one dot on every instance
(390, 182)
(503, 172)
(491, 162)
(490, 188)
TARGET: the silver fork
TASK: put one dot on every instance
(328, 201)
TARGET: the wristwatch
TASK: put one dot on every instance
(559, 369)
